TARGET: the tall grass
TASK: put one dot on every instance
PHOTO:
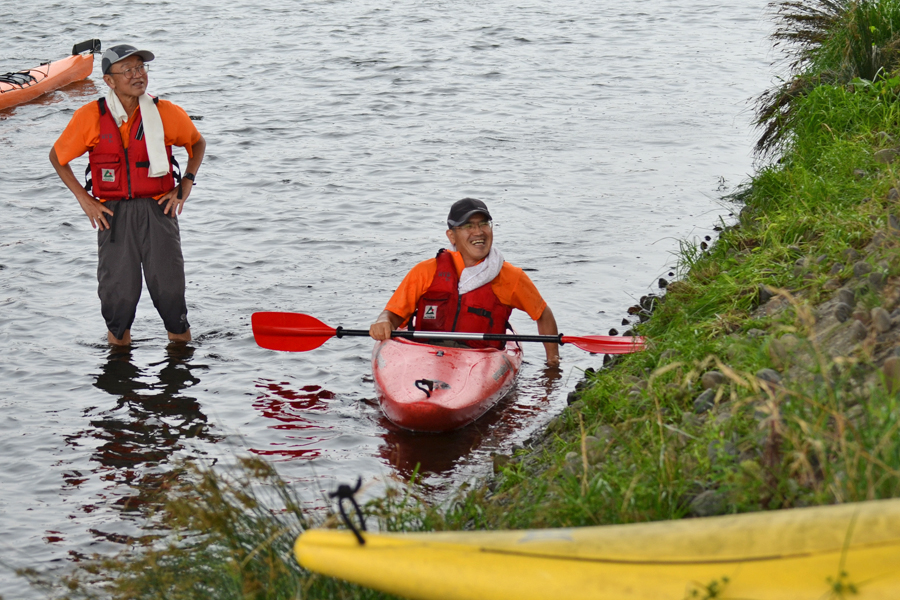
(830, 42)
(634, 448)
(220, 534)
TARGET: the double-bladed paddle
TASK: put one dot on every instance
(296, 332)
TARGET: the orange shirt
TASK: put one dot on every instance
(83, 131)
(512, 287)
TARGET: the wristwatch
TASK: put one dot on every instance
(191, 177)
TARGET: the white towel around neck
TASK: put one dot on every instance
(484, 272)
(154, 135)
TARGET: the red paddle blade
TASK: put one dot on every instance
(289, 332)
(605, 344)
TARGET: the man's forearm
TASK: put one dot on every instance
(198, 151)
(546, 325)
(65, 173)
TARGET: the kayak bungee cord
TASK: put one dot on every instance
(21, 79)
(345, 492)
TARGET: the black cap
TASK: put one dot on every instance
(113, 55)
(463, 209)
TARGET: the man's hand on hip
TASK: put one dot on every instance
(94, 209)
(173, 202)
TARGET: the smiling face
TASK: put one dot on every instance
(124, 87)
(473, 244)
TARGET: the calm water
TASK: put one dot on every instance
(339, 133)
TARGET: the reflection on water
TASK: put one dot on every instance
(149, 422)
(297, 413)
(431, 453)
(150, 419)
(409, 452)
(86, 88)
(290, 408)
(77, 89)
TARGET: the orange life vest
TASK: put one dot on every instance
(120, 173)
(441, 308)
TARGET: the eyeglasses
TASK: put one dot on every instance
(132, 72)
(469, 227)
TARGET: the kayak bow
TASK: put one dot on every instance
(774, 555)
(22, 86)
(424, 387)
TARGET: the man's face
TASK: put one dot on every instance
(118, 79)
(473, 239)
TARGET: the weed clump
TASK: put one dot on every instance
(220, 533)
(828, 42)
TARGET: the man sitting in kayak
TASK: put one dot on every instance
(469, 288)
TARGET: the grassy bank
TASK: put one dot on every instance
(771, 380)
(770, 383)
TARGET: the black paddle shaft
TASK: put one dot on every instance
(454, 335)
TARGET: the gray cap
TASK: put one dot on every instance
(113, 55)
(463, 209)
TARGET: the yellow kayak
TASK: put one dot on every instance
(815, 553)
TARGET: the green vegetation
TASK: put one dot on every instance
(235, 533)
(797, 407)
(830, 42)
(771, 380)
(643, 443)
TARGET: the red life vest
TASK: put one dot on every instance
(441, 308)
(120, 173)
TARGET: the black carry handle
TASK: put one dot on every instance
(92, 45)
(426, 385)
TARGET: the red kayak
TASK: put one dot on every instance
(437, 388)
(16, 88)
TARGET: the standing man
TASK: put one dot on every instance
(469, 288)
(136, 198)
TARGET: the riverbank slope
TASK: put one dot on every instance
(772, 376)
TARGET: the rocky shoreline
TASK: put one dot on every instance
(772, 372)
(844, 334)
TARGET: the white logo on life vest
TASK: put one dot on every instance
(430, 311)
(108, 175)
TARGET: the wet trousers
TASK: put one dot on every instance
(140, 237)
